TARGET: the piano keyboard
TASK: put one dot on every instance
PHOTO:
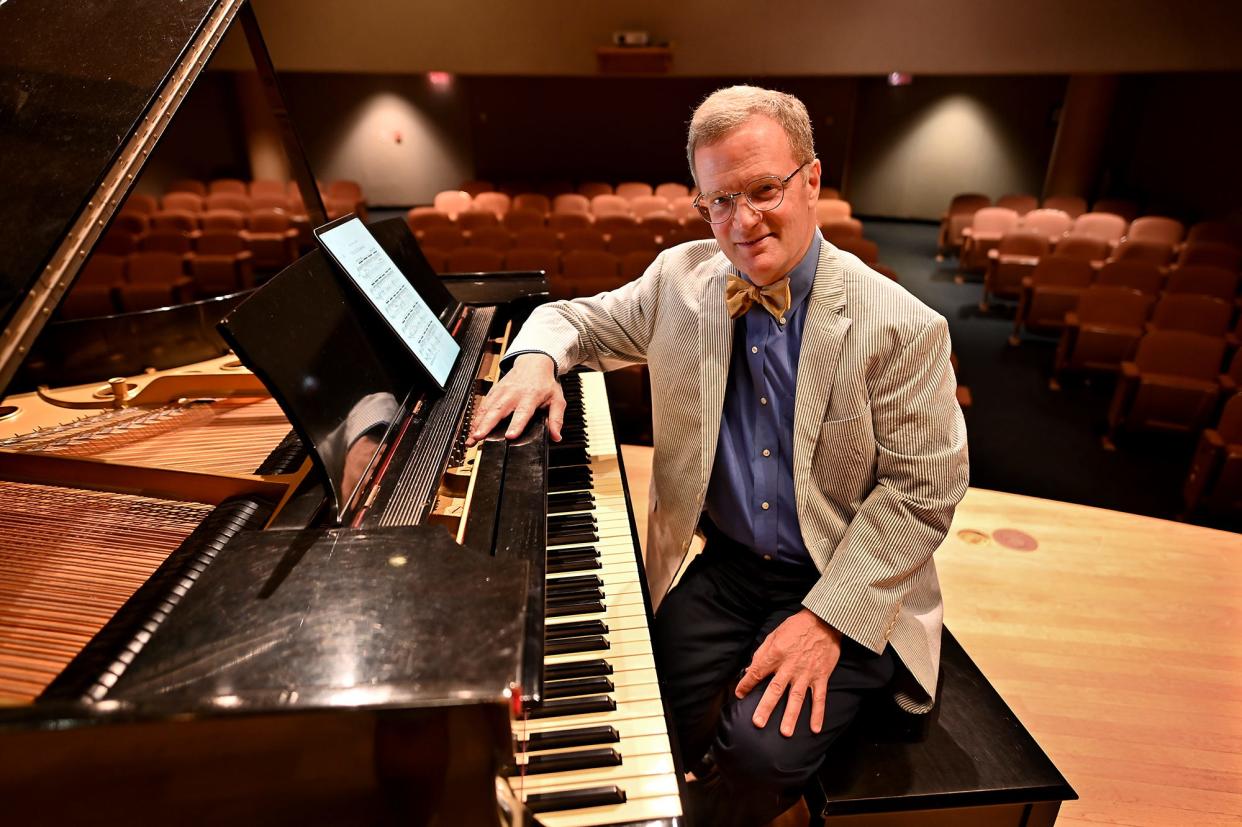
(596, 751)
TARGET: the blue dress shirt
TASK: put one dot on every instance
(751, 493)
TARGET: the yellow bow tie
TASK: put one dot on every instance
(741, 294)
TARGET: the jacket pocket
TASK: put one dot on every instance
(844, 465)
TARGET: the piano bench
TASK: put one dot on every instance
(970, 762)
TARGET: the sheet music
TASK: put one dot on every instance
(377, 275)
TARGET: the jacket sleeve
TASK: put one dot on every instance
(921, 474)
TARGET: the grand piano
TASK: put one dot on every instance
(204, 614)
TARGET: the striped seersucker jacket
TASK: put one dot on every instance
(879, 442)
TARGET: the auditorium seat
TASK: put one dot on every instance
(187, 185)
(1231, 380)
(1214, 482)
(475, 187)
(524, 219)
(533, 258)
(633, 189)
(133, 223)
(1072, 205)
(866, 249)
(214, 220)
(841, 228)
(671, 189)
(271, 238)
(1170, 385)
(1208, 281)
(1048, 293)
(1019, 202)
(228, 201)
(631, 240)
(1221, 232)
(1212, 254)
(661, 223)
(697, 230)
(615, 222)
(635, 263)
(684, 209)
(1102, 225)
(475, 260)
(831, 209)
(587, 238)
(590, 189)
(452, 202)
(153, 280)
(1137, 275)
(141, 203)
(168, 241)
(182, 201)
(645, 205)
(496, 203)
(984, 233)
(442, 238)
(1082, 247)
(1117, 206)
(1103, 332)
(267, 188)
(1053, 224)
(1193, 313)
(118, 242)
(421, 219)
(587, 272)
(563, 222)
(1009, 263)
(94, 292)
(175, 220)
(957, 218)
(1156, 228)
(571, 202)
(473, 219)
(531, 201)
(608, 204)
(222, 264)
(1152, 252)
(491, 238)
(226, 185)
(541, 238)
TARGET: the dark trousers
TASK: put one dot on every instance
(706, 631)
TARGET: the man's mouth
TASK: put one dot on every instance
(752, 242)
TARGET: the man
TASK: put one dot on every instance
(804, 412)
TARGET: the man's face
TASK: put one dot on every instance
(763, 245)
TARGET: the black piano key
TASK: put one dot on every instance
(569, 479)
(579, 557)
(575, 799)
(586, 759)
(576, 669)
(586, 607)
(577, 686)
(577, 628)
(573, 706)
(573, 564)
(561, 738)
(575, 551)
(567, 646)
(572, 536)
(573, 501)
(574, 582)
(568, 455)
(575, 597)
(571, 522)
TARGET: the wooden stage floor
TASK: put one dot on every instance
(1117, 640)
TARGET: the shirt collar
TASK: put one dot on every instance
(802, 276)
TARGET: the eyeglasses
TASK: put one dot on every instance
(763, 194)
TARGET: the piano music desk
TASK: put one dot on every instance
(1115, 641)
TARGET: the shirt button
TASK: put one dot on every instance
(767, 557)
(766, 452)
(754, 349)
(763, 400)
(765, 506)
(782, 319)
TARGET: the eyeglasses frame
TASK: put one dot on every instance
(733, 196)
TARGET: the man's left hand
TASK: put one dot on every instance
(800, 654)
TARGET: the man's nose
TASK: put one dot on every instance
(744, 215)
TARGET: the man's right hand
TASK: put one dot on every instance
(529, 385)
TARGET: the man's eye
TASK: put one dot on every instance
(719, 200)
(763, 191)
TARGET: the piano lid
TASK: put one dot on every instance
(86, 90)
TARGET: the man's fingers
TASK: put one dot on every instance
(759, 668)
(492, 411)
(793, 708)
(819, 704)
(556, 414)
(771, 697)
(520, 417)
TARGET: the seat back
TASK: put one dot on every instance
(1136, 275)
(1179, 353)
(831, 209)
(841, 228)
(1151, 252)
(452, 202)
(234, 186)
(425, 218)
(187, 185)
(1113, 307)
(473, 219)
(661, 223)
(1156, 228)
(1087, 248)
(1117, 206)
(268, 189)
(587, 238)
(1212, 254)
(1102, 225)
(590, 189)
(635, 263)
(475, 260)
(1222, 232)
(491, 238)
(571, 202)
(183, 201)
(867, 250)
(220, 243)
(537, 258)
(994, 221)
(1072, 205)
(539, 238)
(134, 223)
(155, 267)
(617, 222)
(968, 203)
(563, 222)
(1023, 243)
(268, 221)
(1053, 224)
(644, 205)
(140, 202)
(476, 186)
(524, 219)
(1207, 280)
(174, 220)
(168, 241)
(446, 239)
(344, 190)
(639, 239)
(633, 189)
(1019, 202)
(213, 220)
(1057, 271)
(532, 201)
(671, 189)
(609, 204)
(496, 203)
(1192, 312)
(590, 271)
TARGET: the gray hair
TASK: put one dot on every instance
(726, 109)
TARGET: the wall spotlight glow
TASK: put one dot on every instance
(442, 81)
(900, 78)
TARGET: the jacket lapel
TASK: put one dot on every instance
(822, 338)
(715, 350)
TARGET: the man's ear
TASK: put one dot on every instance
(813, 178)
